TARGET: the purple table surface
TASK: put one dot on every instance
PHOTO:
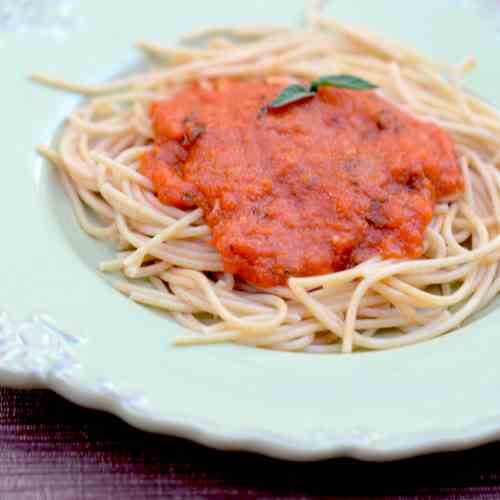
(52, 449)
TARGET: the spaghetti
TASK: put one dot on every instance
(165, 251)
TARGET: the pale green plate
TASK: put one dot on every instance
(112, 354)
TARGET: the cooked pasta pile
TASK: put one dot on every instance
(164, 252)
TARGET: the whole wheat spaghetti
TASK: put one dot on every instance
(164, 252)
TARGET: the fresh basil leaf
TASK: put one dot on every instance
(341, 81)
(294, 93)
(290, 94)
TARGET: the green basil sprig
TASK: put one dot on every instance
(292, 93)
(341, 81)
(295, 93)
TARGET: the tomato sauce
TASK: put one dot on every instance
(318, 186)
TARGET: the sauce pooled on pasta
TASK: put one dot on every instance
(315, 187)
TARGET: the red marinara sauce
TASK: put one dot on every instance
(315, 187)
